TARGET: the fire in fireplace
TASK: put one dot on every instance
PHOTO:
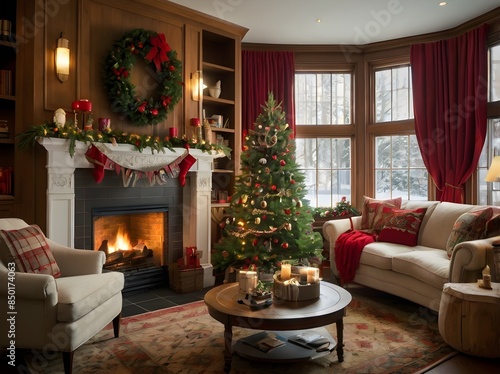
(135, 242)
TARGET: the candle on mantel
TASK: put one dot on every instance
(286, 271)
(85, 105)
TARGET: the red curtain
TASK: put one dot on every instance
(265, 72)
(450, 96)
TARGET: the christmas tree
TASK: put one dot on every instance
(268, 220)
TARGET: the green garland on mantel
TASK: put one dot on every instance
(74, 134)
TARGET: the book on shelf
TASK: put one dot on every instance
(264, 341)
(311, 340)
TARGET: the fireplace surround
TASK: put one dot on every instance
(189, 206)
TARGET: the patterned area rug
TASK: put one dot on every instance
(382, 334)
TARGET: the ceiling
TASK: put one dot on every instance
(342, 21)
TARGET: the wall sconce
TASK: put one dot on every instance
(62, 59)
(493, 174)
(197, 85)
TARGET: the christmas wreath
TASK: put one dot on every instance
(164, 67)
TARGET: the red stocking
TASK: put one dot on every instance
(99, 160)
(184, 167)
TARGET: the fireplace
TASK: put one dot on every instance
(135, 241)
(72, 194)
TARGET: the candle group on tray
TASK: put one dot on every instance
(305, 274)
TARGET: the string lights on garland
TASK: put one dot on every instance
(163, 66)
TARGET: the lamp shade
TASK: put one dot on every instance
(62, 59)
(494, 170)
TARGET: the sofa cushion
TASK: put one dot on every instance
(437, 229)
(29, 250)
(76, 301)
(371, 215)
(469, 226)
(428, 265)
(380, 254)
(401, 225)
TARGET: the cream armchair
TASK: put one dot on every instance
(57, 314)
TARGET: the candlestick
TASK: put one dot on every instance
(286, 271)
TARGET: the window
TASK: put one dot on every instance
(393, 95)
(326, 163)
(488, 193)
(323, 104)
(494, 79)
(399, 169)
(322, 99)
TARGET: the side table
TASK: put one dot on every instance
(469, 318)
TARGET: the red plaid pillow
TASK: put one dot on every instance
(30, 251)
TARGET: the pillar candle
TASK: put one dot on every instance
(172, 132)
(85, 105)
(286, 271)
(242, 280)
(251, 281)
(312, 275)
(303, 274)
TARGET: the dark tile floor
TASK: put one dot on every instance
(148, 300)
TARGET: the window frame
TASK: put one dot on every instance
(333, 131)
(390, 128)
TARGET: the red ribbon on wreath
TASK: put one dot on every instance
(158, 51)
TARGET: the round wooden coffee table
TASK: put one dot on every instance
(222, 303)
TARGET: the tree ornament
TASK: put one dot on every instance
(163, 66)
(263, 161)
(244, 199)
(263, 203)
(282, 162)
(257, 220)
(285, 245)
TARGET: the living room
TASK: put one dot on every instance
(202, 44)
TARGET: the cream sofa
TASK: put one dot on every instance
(56, 314)
(418, 273)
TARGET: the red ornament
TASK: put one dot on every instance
(275, 241)
(282, 163)
(288, 211)
(257, 185)
(285, 245)
(273, 187)
(292, 181)
(275, 157)
(154, 112)
(255, 242)
(225, 254)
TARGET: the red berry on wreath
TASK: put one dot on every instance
(154, 112)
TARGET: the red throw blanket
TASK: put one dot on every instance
(348, 248)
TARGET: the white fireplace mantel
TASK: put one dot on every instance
(196, 194)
